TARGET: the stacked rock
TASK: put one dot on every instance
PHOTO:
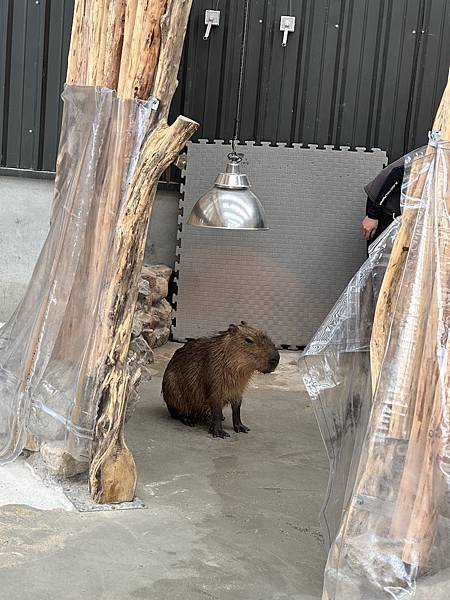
(153, 316)
(151, 326)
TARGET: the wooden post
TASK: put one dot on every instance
(423, 486)
(77, 62)
(112, 475)
(419, 398)
(111, 43)
(133, 46)
(142, 43)
(412, 428)
(391, 282)
(112, 469)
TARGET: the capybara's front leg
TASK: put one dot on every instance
(238, 425)
(216, 428)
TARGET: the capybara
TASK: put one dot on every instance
(207, 374)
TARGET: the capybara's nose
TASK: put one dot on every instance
(274, 359)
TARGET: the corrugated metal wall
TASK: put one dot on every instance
(354, 73)
(34, 41)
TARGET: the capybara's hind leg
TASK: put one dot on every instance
(187, 419)
(173, 412)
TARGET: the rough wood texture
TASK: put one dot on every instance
(97, 21)
(77, 65)
(134, 46)
(391, 281)
(418, 398)
(423, 486)
(119, 309)
(143, 42)
(96, 43)
(405, 457)
(414, 425)
(112, 474)
(129, 25)
(171, 49)
(111, 44)
(422, 369)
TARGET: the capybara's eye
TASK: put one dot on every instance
(249, 341)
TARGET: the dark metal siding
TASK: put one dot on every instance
(34, 38)
(354, 73)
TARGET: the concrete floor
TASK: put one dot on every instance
(232, 519)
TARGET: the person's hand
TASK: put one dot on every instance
(369, 227)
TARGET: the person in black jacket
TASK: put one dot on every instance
(383, 200)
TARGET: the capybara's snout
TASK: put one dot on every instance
(274, 359)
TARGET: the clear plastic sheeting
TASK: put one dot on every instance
(336, 371)
(386, 516)
(47, 362)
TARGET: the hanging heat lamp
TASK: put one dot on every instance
(230, 204)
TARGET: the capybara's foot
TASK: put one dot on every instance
(241, 428)
(173, 412)
(220, 434)
(218, 431)
(187, 420)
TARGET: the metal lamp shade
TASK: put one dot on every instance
(229, 204)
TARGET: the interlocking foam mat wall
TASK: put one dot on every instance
(287, 279)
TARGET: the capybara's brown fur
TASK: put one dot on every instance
(207, 374)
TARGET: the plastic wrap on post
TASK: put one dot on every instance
(47, 363)
(336, 372)
(393, 540)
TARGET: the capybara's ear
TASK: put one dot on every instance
(232, 328)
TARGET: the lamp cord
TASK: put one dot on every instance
(237, 120)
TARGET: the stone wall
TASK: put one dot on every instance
(151, 326)
(153, 315)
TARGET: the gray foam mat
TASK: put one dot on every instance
(284, 280)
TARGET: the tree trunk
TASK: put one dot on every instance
(133, 46)
(150, 53)
(409, 421)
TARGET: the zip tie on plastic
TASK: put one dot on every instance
(153, 103)
(434, 137)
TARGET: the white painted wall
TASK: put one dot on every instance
(24, 219)
(162, 234)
